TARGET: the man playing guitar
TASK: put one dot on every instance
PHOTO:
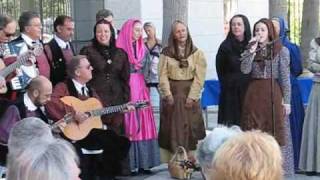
(7, 30)
(30, 28)
(102, 150)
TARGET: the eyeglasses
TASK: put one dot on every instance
(87, 67)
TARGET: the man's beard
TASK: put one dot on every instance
(37, 102)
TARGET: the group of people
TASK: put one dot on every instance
(258, 76)
(259, 88)
(117, 67)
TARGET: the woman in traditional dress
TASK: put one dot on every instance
(110, 75)
(310, 146)
(140, 126)
(182, 71)
(233, 83)
(267, 100)
(297, 109)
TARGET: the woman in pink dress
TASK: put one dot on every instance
(139, 126)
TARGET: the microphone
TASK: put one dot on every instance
(257, 38)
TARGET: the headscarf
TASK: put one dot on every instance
(104, 50)
(125, 41)
(272, 36)
(295, 55)
(172, 50)
(236, 45)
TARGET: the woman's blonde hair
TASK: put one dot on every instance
(251, 155)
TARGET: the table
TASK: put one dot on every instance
(210, 94)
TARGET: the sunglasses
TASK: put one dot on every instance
(8, 35)
(86, 67)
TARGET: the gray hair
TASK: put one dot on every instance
(211, 143)
(103, 13)
(27, 132)
(4, 21)
(148, 24)
(25, 19)
(53, 160)
(73, 64)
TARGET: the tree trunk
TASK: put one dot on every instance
(278, 8)
(173, 10)
(310, 26)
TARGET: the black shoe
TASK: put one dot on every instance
(145, 171)
(134, 173)
(311, 173)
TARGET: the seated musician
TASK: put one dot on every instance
(102, 150)
(31, 104)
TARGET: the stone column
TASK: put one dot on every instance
(84, 15)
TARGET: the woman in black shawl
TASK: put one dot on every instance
(233, 83)
(110, 75)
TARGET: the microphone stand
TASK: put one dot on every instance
(272, 90)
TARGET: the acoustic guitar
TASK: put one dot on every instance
(94, 109)
(21, 60)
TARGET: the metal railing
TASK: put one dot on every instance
(48, 10)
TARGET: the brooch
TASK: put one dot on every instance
(109, 61)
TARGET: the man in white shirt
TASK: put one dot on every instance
(38, 93)
(59, 50)
(30, 28)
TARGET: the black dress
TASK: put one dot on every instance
(233, 83)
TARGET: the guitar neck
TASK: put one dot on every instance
(9, 69)
(107, 110)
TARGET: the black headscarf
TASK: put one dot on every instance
(106, 51)
(238, 46)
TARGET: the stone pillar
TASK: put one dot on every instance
(84, 15)
(206, 25)
(123, 10)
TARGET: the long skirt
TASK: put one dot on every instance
(287, 152)
(296, 120)
(180, 126)
(310, 146)
(257, 109)
(140, 128)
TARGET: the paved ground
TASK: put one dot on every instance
(161, 172)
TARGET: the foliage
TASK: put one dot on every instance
(295, 20)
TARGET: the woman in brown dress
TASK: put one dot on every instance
(267, 100)
(110, 71)
(182, 70)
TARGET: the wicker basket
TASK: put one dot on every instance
(176, 167)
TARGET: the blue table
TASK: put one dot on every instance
(210, 94)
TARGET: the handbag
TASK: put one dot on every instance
(178, 165)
